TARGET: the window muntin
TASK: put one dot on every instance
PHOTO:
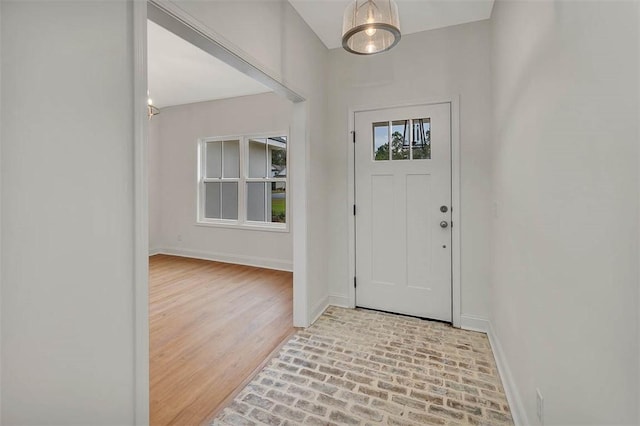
(243, 181)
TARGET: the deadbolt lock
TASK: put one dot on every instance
(444, 209)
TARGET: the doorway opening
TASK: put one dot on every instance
(405, 231)
(232, 187)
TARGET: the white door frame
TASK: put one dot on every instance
(454, 101)
(219, 47)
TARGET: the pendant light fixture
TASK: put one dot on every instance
(370, 26)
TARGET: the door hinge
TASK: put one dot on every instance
(354, 209)
(354, 136)
(355, 282)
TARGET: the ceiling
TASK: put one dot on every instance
(180, 73)
(325, 16)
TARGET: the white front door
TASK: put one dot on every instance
(403, 210)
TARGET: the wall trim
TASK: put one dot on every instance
(259, 262)
(339, 300)
(474, 323)
(318, 310)
(169, 14)
(300, 170)
(140, 288)
(0, 233)
(511, 390)
(154, 251)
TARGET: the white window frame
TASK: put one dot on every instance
(241, 222)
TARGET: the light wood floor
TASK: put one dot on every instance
(211, 325)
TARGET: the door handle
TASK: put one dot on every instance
(444, 224)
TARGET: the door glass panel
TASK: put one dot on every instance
(257, 158)
(278, 202)
(256, 201)
(421, 144)
(212, 200)
(381, 141)
(400, 140)
(231, 159)
(213, 165)
(278, 157)
(230, 200)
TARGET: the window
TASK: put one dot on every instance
(242, 181)
(410, 140)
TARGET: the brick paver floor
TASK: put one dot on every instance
(360, 367)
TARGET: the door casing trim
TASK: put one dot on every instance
(456, 278)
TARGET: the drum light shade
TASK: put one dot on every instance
(370, 26)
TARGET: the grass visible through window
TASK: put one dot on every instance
(278, 209)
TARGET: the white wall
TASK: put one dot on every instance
(67, 213)
(565, 252)
(427, 65)
(176, 131)
(287, 47)
(67, 320)
(67, 186)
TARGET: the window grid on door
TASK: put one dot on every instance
(396, 140)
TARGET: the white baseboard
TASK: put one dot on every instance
(339, 300)
(260, 262)
(483, 325)
(318, 310)
(473, 323)
(154, 251)
(513, 396)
